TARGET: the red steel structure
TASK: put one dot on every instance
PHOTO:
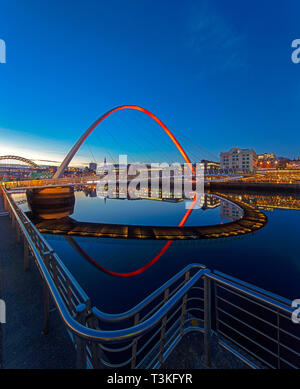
(81, 140)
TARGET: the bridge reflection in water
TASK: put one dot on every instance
(46, 204)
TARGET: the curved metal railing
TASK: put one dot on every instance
(145, 335)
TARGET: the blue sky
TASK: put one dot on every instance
(218, 72)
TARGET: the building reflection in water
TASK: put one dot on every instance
(59, 203)
(230, 211)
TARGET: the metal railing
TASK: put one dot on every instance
(257, 322)
(66, 181)
(251, 323)
(49, 182)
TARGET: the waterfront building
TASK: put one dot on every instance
(93, 166)
(267, 161)
(294, 164)
(237, 158)
(210, 164)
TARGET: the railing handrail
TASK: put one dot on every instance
(45, 181)
(253, 292)
(78, 328)
(124, 315)
(102, 335)
(50, 249)
(223, 279)
(255, 288)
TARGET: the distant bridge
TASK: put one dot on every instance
(21, 159)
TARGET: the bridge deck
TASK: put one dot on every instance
(252, 220)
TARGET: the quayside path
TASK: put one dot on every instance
(22, 343)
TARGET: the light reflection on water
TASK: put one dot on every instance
(152, 212)
(269, 258)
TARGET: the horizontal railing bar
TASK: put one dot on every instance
(241, 295)
(156, 345)
(195, 309)
(198, 288)
(246, 349)
(147, 300)
(289, 363)
(114, 350)
(283, 315)
(45, 243)
(172, 332)
(67, 293)
(115, 365)
(238, 355)
(290, 349)
(256, 296)
(174, 313)
(195, 298)
(248, 325)
(247, 312)
(289, 334)
(250, 340)
(149, 341)
(176, 341)
(255, 288)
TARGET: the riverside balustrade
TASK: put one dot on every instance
(49, 182)
(251, 323)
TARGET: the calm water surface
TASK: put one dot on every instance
(268, 258)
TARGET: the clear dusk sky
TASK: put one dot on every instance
(218, 71)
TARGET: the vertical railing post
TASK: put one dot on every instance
(184, 302)
(207, 321)
(163, 331)
(216, 309)
(96, 351)
(80, 343)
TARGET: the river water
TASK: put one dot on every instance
(268, 258)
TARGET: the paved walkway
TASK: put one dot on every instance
(22, 344)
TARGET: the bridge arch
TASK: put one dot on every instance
(21, 159)
(83, 137)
